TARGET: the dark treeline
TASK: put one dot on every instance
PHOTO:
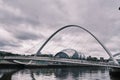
(90, 58)
(3, 53)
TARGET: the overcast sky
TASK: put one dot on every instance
(26, 24)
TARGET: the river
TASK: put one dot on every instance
(55, 74)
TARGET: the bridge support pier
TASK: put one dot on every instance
(115, 73)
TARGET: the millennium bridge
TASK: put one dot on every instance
(63, 61)
(54, 60)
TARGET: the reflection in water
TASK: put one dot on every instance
(32, 75)
(8, 75)
(56, 74)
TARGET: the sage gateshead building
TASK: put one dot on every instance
(71, 54)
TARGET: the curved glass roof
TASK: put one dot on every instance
(71, 53)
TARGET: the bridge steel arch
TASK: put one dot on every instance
(68, 26)
(116, 54)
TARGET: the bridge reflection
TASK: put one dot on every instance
(8, 75)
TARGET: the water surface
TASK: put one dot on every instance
(55, 74)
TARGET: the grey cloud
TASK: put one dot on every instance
(11, 19)
(27, 36)
(9, 43)
(99, 16)
(47, 12)
(23, 33)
